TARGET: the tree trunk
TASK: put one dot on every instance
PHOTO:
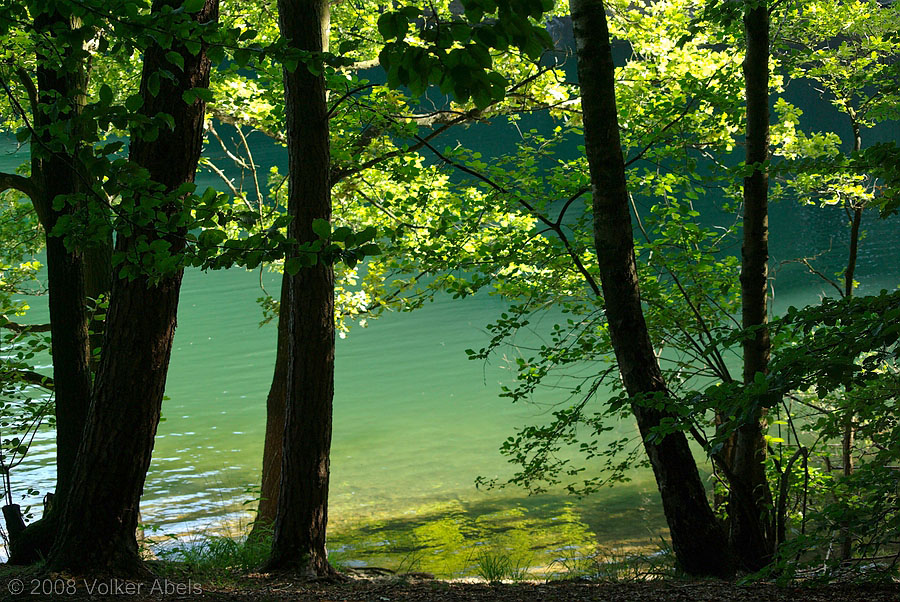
(99, 519)
(299, 537)
(848, 435)
(274, 443)
(751, 527)
(61, 81)
(698, 540)
(97, 285)
(58, 175)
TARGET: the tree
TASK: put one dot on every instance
(99, 517)
(376, 182)
(750, 505)
(697, 538)
(57, 100)
(849, 55)
(299, 530)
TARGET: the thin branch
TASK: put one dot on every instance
(718, 363)
(578, 194)
(360, 65)
(387, 211)
(20, 328)
(658, 137)
(234, 191)
(345, 96)
(29, 377)
(256, 124)
(30, 88)
(340, 174)
(253, 170)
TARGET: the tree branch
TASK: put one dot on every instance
(11, 181)
(230, 119)
(29, 377)
(557, 229)
(15, 327)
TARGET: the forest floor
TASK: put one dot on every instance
(264, 587)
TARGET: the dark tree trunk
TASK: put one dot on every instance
(698, 540)
(61, 81)
(299, 537)
(274, 443)
(751, 527)
(99, 519)
(97, 285)
(57, 171)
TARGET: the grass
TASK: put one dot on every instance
(618, 565)
(213, 558)
(495, 567)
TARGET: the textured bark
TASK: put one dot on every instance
(97, 285)
(100, 516)
(751, 526)
(698, 540)
(61, 80)
(299, 536)
(56, 171)
(274, 443)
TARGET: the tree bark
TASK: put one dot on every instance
(299, 535)
(99, 518)
(57, 171)
(97, 285)
(274, 442)
(698, 540)
(751, 526)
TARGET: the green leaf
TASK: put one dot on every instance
(192, 95)
(193, 47)
(370, 249)
(153, 83)
(242, 57)
(134, 102)
(348, 46)
(193, 6)
(293, 265)
(341, 234)
(175, 59)
(106, 95)
(392, 25)
(386, 26)
(322, 227)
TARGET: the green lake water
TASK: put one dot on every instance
(415, 422)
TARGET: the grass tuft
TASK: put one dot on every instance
(214, 558)
(495, 567)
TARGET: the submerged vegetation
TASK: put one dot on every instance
(628, 233)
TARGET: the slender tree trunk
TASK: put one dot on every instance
(698, 540)
(302, 515)
(99, 518)
(61, 81)
(274, 443)
(848, 435)
(750, 503)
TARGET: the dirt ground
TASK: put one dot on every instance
(415, 588)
